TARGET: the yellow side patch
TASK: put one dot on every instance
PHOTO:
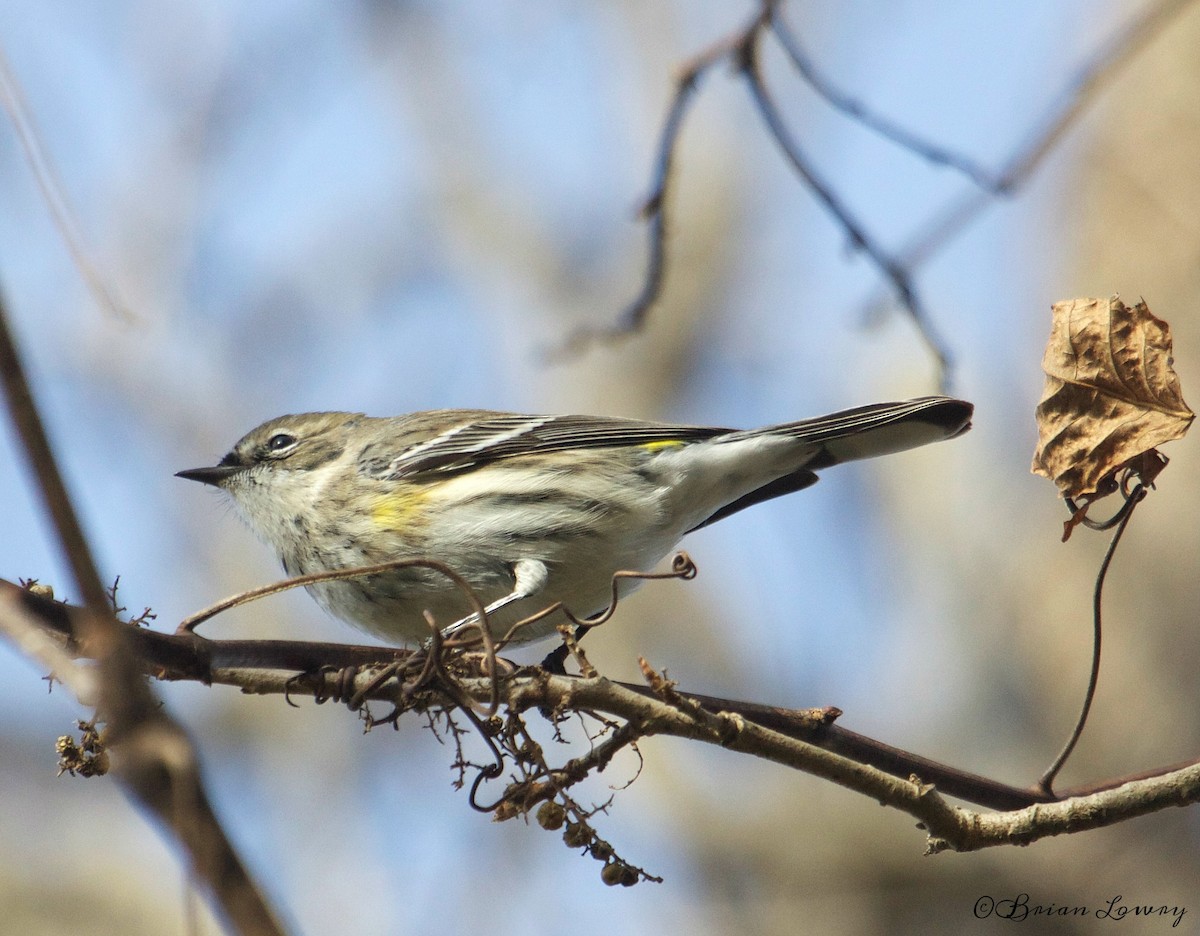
(660, 445)
(399, 509)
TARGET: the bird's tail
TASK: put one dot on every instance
(862, 432)
(878, 429)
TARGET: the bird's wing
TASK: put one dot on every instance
(478, 437)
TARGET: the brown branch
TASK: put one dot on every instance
(150, 753)
(654, 212)
(31, 432)
(961, 830)
(804, 739)
(654, 208)
(899, 268)
(153, 757)
(949, 827)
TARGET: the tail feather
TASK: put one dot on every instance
(863, 432)
(878, 429)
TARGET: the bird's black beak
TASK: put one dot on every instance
(216, 476)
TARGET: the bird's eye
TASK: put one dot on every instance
(280, 441)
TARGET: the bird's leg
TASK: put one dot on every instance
(529, 578)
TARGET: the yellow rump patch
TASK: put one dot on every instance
(661, 444)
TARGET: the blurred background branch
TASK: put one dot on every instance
(151, 754)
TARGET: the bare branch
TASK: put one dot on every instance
(899, 268)
(860, 238)
(654, 212)
(884, 126)
(807, 740)
(741, 48)
(29, 634)
(949, 827)
(961, 830)
(23, 413)
(13, 103)
(654, 208)
(1099, 70)
(150, 753)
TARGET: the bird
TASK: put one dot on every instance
(529, 510)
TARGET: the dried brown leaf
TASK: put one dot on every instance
(1111, 394)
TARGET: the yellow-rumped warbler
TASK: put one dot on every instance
(529, 510)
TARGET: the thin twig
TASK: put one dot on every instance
(654, 209)
(742, 47)
(859, 237)
(192, 621)
(654, 212)
(682, 568)
(863, 115)
(13, 102)
(1100, 69)
(1046, 782)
